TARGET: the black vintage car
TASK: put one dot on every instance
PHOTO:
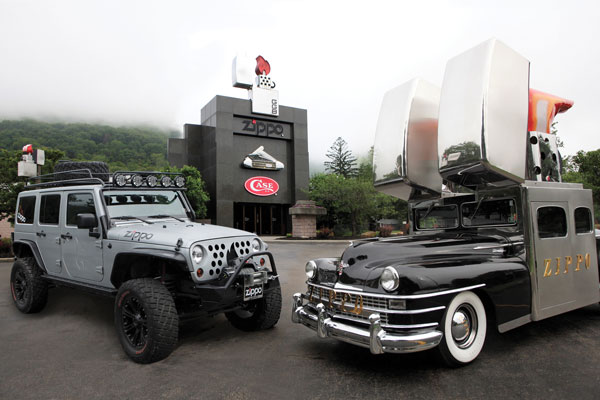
(501, 243)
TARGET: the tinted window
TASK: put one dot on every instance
(552, 222)
(79, 203)
(489, 212)
(438, 217)
(25, 210)
(50, 209)
(583, 220)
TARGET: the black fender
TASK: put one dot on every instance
(142, 261)
(28, 248)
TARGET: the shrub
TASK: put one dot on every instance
(324, 233)
(385, 231)
(5, 247)
(368, 234)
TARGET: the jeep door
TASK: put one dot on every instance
(48, 232)
(81, 252)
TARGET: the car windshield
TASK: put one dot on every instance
(489, 212)
(436, 217)
(144, 203)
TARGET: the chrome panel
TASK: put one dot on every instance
(407, 297)
(405, 149)
(482, 134)
(543, 158)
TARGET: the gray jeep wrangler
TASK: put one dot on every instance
(132, 236)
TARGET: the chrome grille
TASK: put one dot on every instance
(370, 304)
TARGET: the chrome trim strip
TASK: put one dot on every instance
(341, 286)
(378, 310)
(515, 323)
(407, 297)
(415, 326)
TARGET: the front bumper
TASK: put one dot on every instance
(374, 337)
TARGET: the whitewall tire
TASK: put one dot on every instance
(464, 327)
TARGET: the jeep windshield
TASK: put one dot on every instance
(131, 204)
(436, 217)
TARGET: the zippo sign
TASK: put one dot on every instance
(261, 186)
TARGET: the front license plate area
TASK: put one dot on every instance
(253, 292)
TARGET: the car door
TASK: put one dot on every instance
(48, 232)
(81, 251)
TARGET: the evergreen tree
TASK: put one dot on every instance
(342, 162)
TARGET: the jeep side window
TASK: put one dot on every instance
(79, 203)
(552, 222)
(583, 220)
(25, 210)
(49, 209)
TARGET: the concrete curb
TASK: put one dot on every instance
(7, 259)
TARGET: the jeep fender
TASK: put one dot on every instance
(28, 248)
(144, 259)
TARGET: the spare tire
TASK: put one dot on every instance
(98, 169)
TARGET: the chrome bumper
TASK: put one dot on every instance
(374, 337)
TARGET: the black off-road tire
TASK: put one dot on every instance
(259, 314)
(28, 289)
(145, 307)
(98, 169)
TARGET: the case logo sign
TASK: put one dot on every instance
(261, 186)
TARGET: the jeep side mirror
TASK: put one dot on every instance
(86, 221)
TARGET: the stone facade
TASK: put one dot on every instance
(304, 218)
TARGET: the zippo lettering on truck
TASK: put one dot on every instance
(580, 258)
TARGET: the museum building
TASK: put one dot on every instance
(253, 155)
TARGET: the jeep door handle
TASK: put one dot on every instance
(41, 234)
(66, 236)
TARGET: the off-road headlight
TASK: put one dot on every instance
(197, 253)
(151, 180)
(389, 279)
(255, 245)
(310, 269)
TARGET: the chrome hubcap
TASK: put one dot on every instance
(464, 326)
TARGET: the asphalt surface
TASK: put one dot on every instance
(70, 350)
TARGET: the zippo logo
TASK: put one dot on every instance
(255, 291)
(259, 127)
(261, 186)
(134, 235)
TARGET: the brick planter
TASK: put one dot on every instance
(304, 218)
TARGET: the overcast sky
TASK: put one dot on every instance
(158, 62)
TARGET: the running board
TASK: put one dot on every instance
(87, 287)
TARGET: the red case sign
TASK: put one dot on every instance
(261, 186)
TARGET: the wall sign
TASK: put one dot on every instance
(262, 128)
(261, 186)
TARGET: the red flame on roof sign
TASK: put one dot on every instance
(261, 186)
(262, 66)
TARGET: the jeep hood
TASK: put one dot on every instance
(169, 232)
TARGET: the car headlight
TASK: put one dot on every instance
(310, 269)
(255, 245)
(197, 253)
(389, 279)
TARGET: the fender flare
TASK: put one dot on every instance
(17, 244)
(167, 255)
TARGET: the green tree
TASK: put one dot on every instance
(341, 161)
(196, 191)
(584, 167)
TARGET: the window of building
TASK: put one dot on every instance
(552, 222)
(583, 220)
(79, 203)
(25, 210)
(50, 209)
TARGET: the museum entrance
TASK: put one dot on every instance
(263, 219)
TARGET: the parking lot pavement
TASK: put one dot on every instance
(70, 350)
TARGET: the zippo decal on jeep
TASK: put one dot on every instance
(135, 235)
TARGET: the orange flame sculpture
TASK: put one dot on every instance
(543, 107)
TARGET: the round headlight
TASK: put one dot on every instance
(166, 181)
(255, 245)
(197, 254)
(151, 180)
(120, 180)
(310, 269)
(389, 280)
(180, 181)
(137, 180)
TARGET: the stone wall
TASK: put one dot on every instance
(304, 226)
(5, 229)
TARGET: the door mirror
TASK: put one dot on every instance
(86, 221)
